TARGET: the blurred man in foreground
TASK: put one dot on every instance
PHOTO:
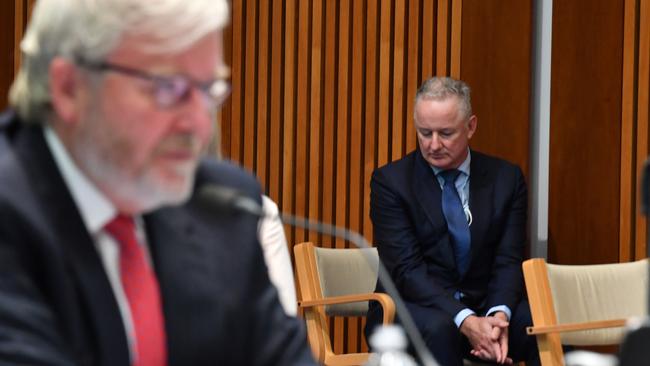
(450, 226)
(105, 258)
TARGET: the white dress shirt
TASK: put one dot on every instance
(97, 211)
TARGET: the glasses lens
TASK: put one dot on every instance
(171, 91)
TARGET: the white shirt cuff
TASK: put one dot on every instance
(460, 317)
(503, 308)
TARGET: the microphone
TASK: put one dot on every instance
(221, 200)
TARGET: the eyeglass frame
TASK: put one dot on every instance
(167, 83)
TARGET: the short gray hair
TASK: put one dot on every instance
(441, 88)
(92, 29)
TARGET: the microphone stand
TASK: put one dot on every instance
(220, 199)
(360, 242)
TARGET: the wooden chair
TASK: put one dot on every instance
(582, 305)
(337, 282)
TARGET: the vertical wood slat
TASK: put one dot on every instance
(356, 140)
(370, 125)
(301, 140)
(456, 23)
(261, 113)
(398, 81)
(233, 128)
(627, 191)
(288, 118)
(342, 160)
(428, 35)
(250, 83)
(442, 67)
(412, 72)
(643, 98)
(274, 186)
(384, 83)
(315, 126)
(330, 98)
(323, 100)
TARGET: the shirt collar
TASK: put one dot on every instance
(464, 166)
(95, 208)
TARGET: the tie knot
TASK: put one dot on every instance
(450, 175)
(121, 226)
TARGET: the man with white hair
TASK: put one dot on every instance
(105, 255)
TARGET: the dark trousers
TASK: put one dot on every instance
(449, 346)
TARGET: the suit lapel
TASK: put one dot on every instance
(480, 195)
(429, 197)
(182, 266)
(84, 264)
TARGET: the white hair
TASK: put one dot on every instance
(441, 88)
(92, 29)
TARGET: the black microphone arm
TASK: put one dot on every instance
(222, 199)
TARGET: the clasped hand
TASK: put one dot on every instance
(488, 337)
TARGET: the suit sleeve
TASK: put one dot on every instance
(400, 251)
(506, 281)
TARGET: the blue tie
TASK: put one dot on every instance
(452, 208)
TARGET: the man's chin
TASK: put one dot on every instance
(167, 190)
(441, 163)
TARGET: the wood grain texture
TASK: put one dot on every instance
(628, 102)
(337, 102)
(587, 58)
(497, 37)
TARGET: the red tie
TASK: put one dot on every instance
(141, 289)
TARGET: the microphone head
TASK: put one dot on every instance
(226, 200)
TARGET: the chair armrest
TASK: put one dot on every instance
(572, 327)
(384, 300)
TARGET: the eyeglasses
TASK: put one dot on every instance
(169, 91)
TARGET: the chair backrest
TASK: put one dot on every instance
(347, 272)
(571, 294)
(325, 273)
(598, 292)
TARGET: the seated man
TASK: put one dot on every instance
(105, 255)
(450, 224)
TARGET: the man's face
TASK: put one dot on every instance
(139, 154)
(443, 132)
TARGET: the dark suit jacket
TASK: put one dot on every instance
(56, 303)
(413, 242)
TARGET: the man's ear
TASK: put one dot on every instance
(64, 89)
(471, 126)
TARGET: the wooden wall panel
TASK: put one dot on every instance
(587, 59)
(496, 63)
(326, 97)
(337, 102)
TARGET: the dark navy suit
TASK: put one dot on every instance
(411, 235)
(56, 303)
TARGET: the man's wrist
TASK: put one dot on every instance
(500, 308)
(462, 315)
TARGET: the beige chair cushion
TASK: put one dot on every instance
(347, 272)
(598, 292)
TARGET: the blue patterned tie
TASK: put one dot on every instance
(452, 208)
